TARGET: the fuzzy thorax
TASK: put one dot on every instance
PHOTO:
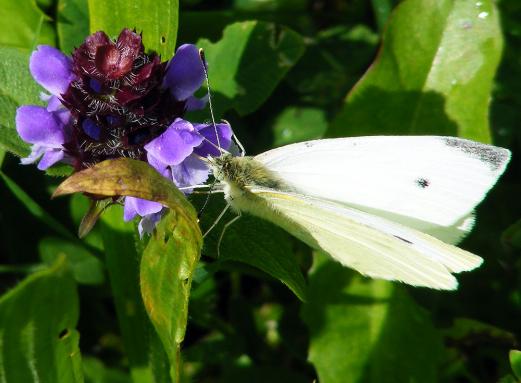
(239, 173)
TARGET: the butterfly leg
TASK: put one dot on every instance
(228, 224)
(217, 220)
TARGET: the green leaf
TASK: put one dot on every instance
(86, 268)
(257, 243)
(248, 62)
(433, 74)
(515, 362)
(96, 372)
(157, 19)
(365, 330)
(2, 156)
(35, 209)
(167, 269)
(17, 87)
(38, 340)
(72, 23)
(146, 360)
(171, 255)
(295, 124)
(24, 25)
(512, 235)
(381, 10)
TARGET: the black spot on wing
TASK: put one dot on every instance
(423, 183)
(491, 155)
(403, 239)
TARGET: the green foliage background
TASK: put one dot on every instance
(113, 308)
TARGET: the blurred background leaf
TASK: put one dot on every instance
(38, 328)
(248, 62)
(72, 23)
(356, 325)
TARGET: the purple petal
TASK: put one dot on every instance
(185, 73)
(54, 104)
(51, 69)
(148, 223)
(36, 125)
(36, 152)
(194, 103)
(64, 116)
(160, 166)
(224, 132)
(50, 158)
(137, 206)
(192, 171)
(175, 144)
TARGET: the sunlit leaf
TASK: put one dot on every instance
(17, 87)
(157, 19)
(433, 74)
(248, 62)
(24, 25)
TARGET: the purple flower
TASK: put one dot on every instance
(110, 100)
(149, 210)
(175, 153)
(47, 129)
(185, 75)
(51, 69)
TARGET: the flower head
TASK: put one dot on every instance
(110, 100)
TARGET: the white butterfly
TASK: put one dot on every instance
(389, 207)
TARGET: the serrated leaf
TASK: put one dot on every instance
(248, 62)
(433, 74)
(365, 330)
(17, 87)
(157, 19)
(38, 340)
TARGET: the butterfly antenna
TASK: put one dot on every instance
(205, 68)
(236, 140)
